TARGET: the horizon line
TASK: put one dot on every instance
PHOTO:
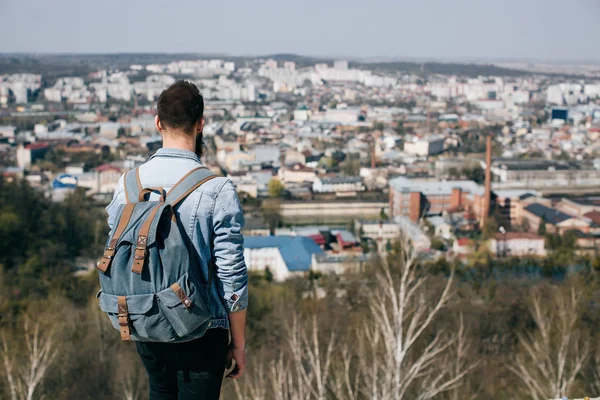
(329, 57)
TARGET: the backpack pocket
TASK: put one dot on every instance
(147, 322)
(187, 311)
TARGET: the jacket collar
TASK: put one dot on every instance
(176, 153)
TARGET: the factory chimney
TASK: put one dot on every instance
(488, 181)
(373, 156)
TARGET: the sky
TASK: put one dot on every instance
(560, 30)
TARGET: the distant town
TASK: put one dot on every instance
(333, 160)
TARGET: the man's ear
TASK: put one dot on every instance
(200, 126)
(158, 124)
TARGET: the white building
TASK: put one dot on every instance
(427, 146)
(514, 244)
(7, 131)
(338, 184)
(338, 264)
(297, 174)
(301, 114)
(381, 232)
(284, 256)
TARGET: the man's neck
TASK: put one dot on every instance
(180, 142)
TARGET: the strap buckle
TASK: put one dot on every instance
(123, 317)
(140, 253)
(106, 259)
(185, 300)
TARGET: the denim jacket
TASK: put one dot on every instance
(212, 216)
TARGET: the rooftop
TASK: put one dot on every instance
(518, 236)
(533, 165)
(296, 251)
(550, 215)
(429, 188)
(594, 216)
(333, 180)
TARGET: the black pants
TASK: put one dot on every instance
(186, 371)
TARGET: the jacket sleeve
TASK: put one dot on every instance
(228, 221)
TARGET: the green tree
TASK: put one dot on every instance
(268, 275)
(382, 215)
(542, 227)
(271, 213)
(326, 162)
(490, 228)
(350, 167)
(437, 244)
(275, 188)
(475, 173)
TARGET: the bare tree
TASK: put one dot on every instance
(311, 358)
(346, 377)
(255, 383)
(302, 370)
(401, 361)
(552, 356)
(593, 374)
(395, 354)
(130, 377)
(25, 375)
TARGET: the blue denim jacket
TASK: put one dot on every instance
(213, 218)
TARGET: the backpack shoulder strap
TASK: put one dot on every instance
(186, 185)
(133, 185)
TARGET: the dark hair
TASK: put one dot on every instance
(180, 106)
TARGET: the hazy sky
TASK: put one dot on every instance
(440, 29)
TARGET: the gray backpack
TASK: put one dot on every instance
(150, 280)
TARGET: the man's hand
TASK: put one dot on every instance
(238, 355)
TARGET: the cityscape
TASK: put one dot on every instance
(343, 157)
(417, 226)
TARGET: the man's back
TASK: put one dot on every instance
(212, 218)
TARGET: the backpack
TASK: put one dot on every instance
(150, 279)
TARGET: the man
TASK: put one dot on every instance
(212, 218)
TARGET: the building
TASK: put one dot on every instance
(543, 173)
(555, 221)
(337, 211)
(509, 204)
(427, 146)
(415, 198)
(441, 227)
(297, 174)
(62, 186)
(29, 154)
(340, 185)
(414, 233)
(302, 114)
(284, 256)
(7, 132)
(338, 264)
(579, 206)
(107, 177)
(516, 244)
(381, 232)
(463, 246)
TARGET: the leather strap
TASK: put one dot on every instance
(186, 185)
(190, 190)
(185, 300)
(123, 316)
(139, 258)
(109, 252)
(145, 191)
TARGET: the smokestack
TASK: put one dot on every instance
(373, 160)
(488, 181)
